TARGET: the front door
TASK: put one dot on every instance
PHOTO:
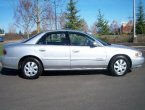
(83, 55)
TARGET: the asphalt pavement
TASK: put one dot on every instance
(76, 90)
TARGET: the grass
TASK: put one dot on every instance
(1, 49)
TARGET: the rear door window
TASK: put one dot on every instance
(54, 39)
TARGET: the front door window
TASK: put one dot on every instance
(79, 40)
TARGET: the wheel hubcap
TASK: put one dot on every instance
(30, 69)
(120, 66)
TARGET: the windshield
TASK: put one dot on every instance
(103, 42)
(99, 40)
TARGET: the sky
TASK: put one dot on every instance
(119, 10)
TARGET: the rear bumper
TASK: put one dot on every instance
(9, 62)
(138, 62)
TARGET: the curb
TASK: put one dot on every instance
(138, 46)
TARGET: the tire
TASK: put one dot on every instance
(31, 68)
(119, 65)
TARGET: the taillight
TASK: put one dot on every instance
(4, 52)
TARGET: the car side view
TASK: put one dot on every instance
(69, 50)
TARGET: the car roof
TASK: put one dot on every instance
(65, 30)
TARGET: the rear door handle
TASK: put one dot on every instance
(42, 50)
(76, 51)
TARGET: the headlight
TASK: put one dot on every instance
(138, 54)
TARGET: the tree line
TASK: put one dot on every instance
(53, 14)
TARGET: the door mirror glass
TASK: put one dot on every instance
(94, 44)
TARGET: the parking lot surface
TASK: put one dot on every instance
(76, 90)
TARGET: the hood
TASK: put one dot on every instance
(122, 46)
(115, 49)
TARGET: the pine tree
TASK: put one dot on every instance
(72, 19)
(1, 31)
(102, 24)
(140, 23)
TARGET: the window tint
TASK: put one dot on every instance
(53, 39)
(79, 39)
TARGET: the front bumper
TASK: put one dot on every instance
(138, 62)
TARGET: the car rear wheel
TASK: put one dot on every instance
(31, 68)
(119, 65)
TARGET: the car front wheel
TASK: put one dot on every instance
(119, 65)
(31, 68)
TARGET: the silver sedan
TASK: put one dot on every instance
(69, 50)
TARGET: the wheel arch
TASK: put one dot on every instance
(129, 59)
(28, 56)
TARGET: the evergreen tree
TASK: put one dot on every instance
(102, 24)
(20, 33)
(72, 19)
(140, 22)
(1, 31)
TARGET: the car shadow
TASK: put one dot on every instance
(76, 72)
(9, 72)
(12, 72)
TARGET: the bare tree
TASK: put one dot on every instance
(43, 13)
(62, 20)
(114, 27)
(55, 16)
(94, 28)
(31, 12)
(84, 24)
(48, 22)
(23, 18)
(12, 28)
(39, 12)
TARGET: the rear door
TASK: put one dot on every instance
(54, 51)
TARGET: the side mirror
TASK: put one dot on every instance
(94, 44)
